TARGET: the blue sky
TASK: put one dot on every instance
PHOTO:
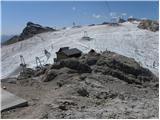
(51, 13)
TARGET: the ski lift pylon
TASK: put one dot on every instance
(23, 65)
(85, 34)
(47, 54)
(38, 62)
(22, 60)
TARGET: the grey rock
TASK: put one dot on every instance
(49, 75)
(30, 30)
(149, 25)
(74, 64)
(27, 73)
(83, 92)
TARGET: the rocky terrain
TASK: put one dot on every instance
(149, 25)
(29, 31)
(96, 85)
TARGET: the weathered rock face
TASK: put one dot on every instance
(74, 64)
(116, 85)
(39, 72)
(12, 40)
(49, 75)
(124, 68)
(149, 25)
(30, 30)
(107, 63)
(91, 61)
(91, 58)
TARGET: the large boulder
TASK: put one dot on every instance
(149, 25)
(91, 58)
(49, 75)
(40, 71)
(56, 66)
(91, 61)
(73, 63)
(125, 64)
(123, 68)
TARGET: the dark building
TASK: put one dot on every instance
(65, 52)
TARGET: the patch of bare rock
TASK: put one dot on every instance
(149, 25)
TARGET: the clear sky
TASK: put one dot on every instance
(15, 15)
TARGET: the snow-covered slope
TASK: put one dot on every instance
(126, 39)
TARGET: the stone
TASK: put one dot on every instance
(149, 25)
(49, 75)
(83, 92)
(91, 61)
(123, 68)
(73, 63)
(63, 107)
(40, 72)
(106, 95)
(56, 66)
(83, 77)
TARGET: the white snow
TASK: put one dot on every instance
(127, 39)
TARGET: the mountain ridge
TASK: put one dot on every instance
(29, 31)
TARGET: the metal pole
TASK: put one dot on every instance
(23, 65)
(38, 60)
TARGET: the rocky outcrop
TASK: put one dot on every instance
(106, 63)
(149, 25)
(49, 75)
(116, 85)
(30, 30)
(83, 92)
(124, 68)
(12, 40)
(74, 64)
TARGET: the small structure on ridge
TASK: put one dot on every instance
(86, 37)
(65, 52)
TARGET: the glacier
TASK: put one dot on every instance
(126, 39)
